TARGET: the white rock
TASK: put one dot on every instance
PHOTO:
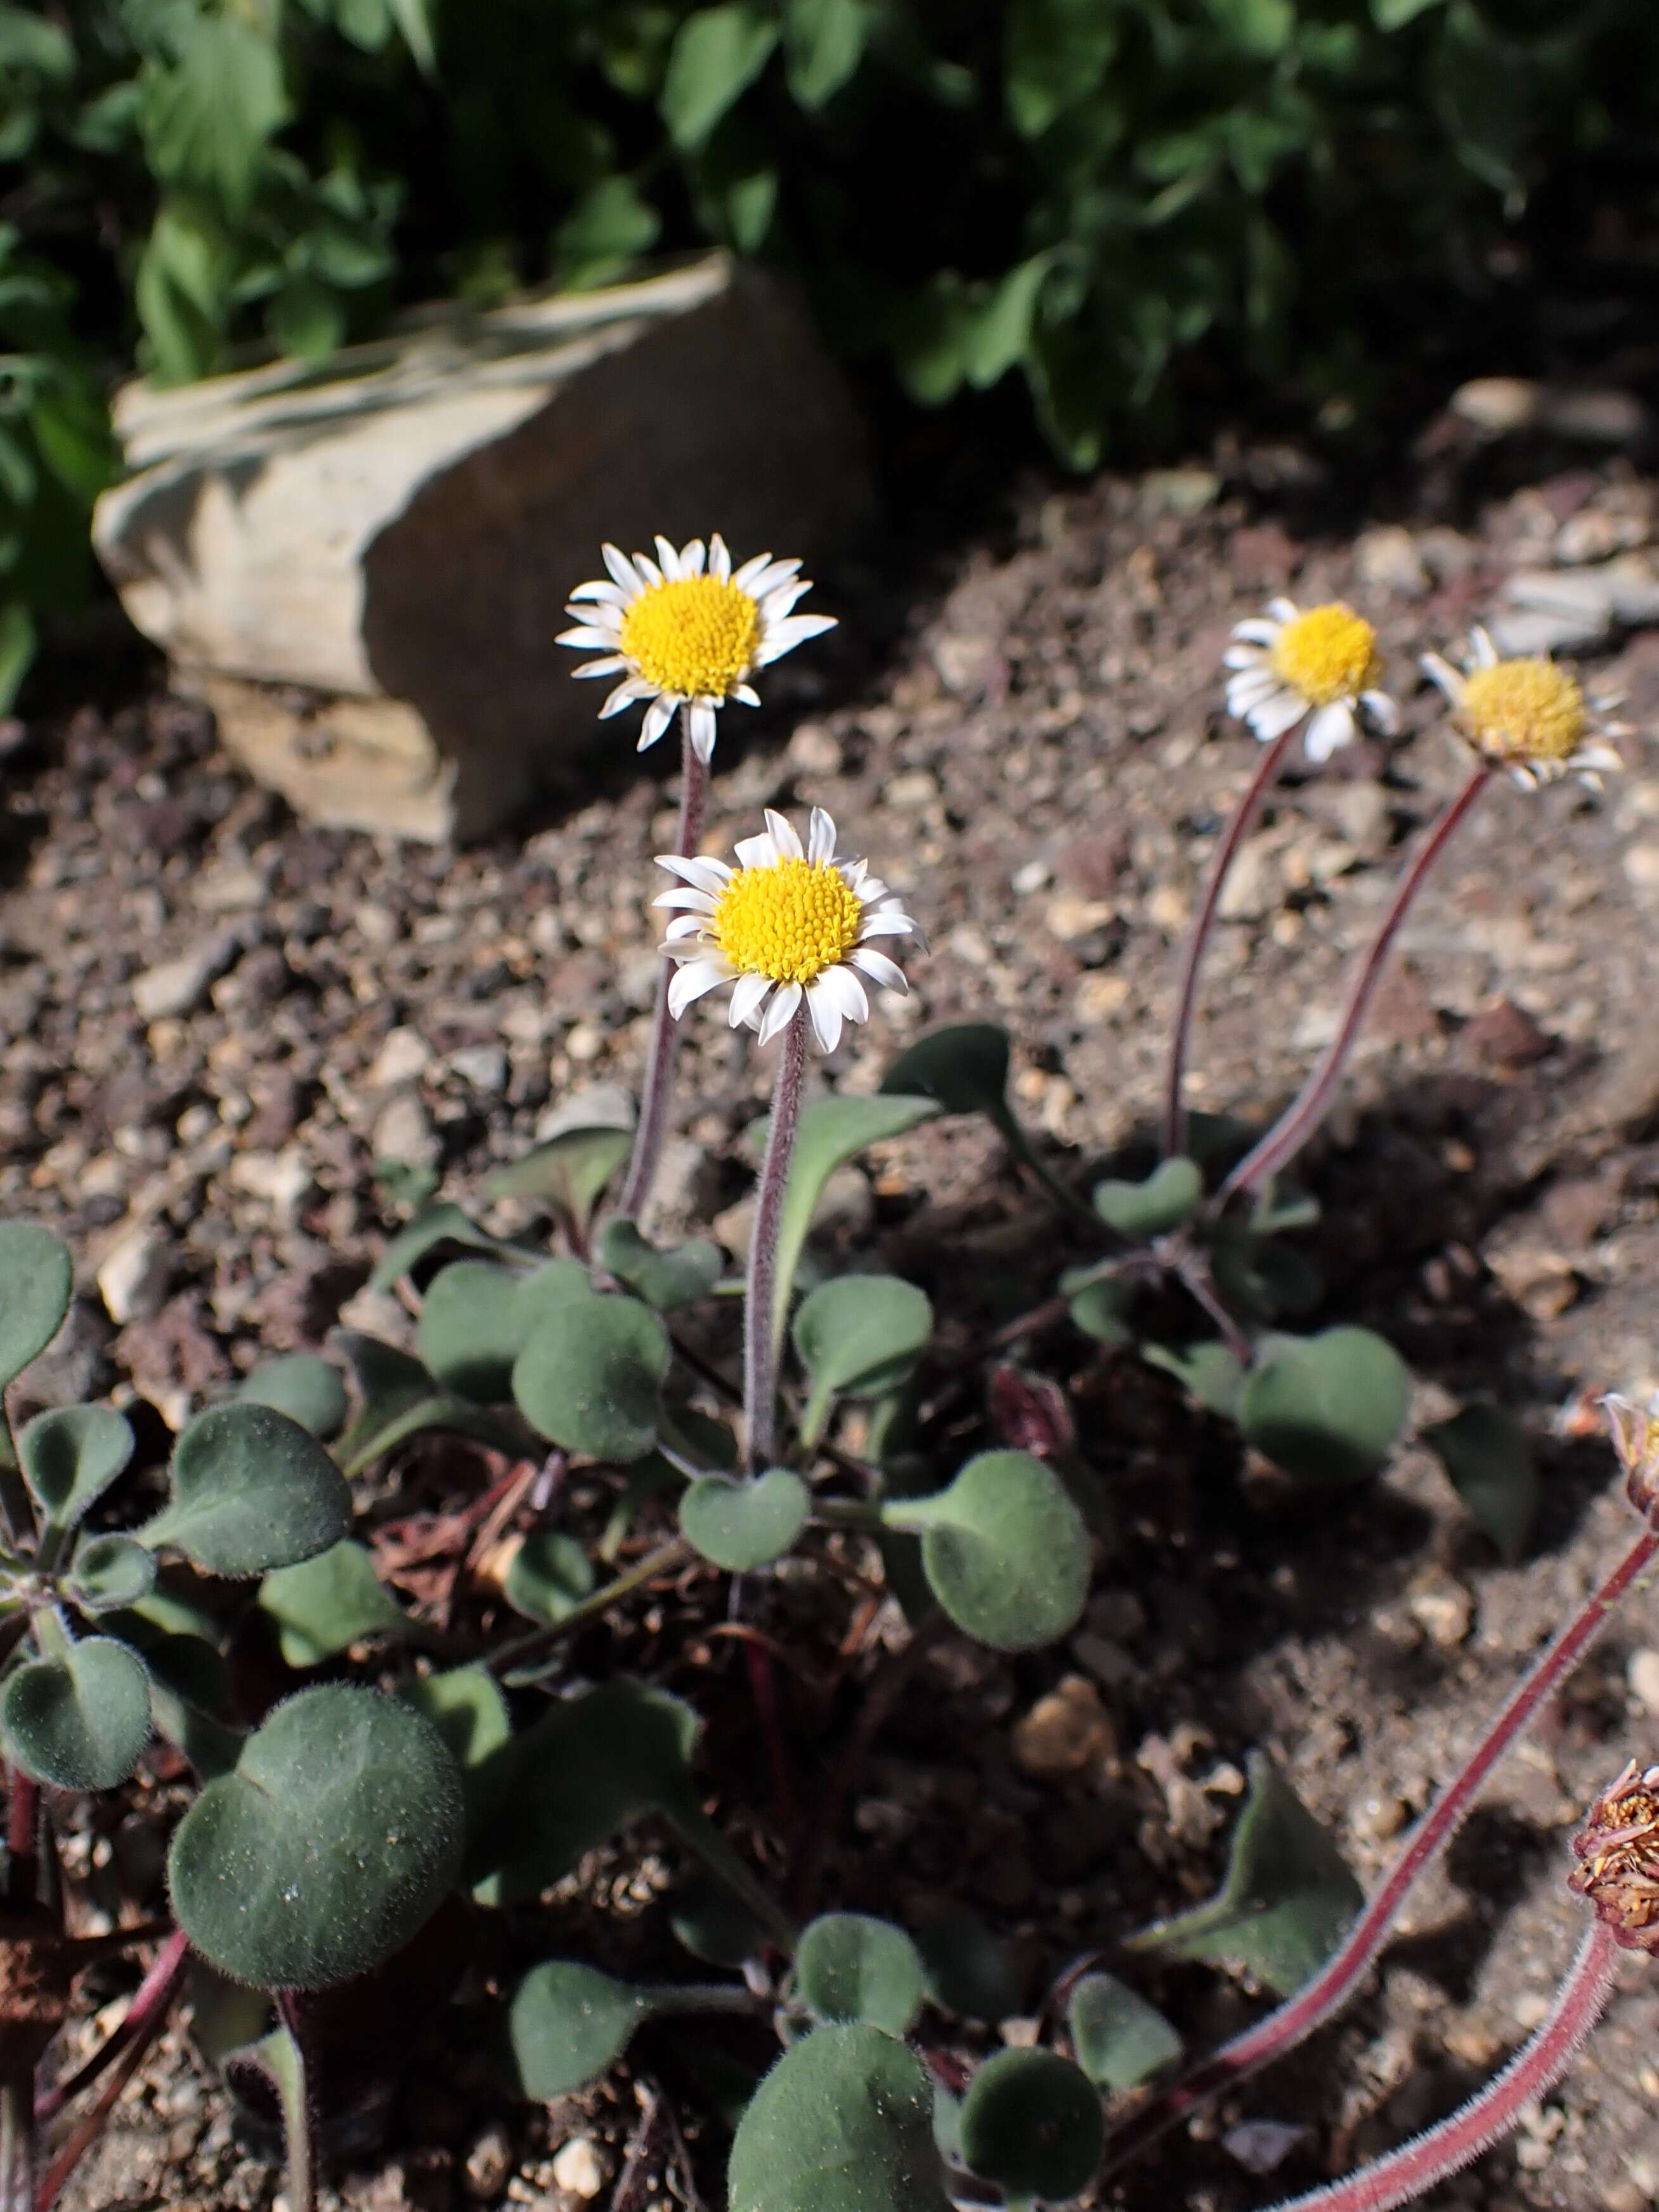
(576, 2167)
(595, 1106)
(405, 1132)
(1253, 887)
(281, 1179)
(1642, 1674)
(403, 1057)
(178, 986)
(481, 1067)
(134, 1277)
(361, 569)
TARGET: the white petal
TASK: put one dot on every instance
(1384, 715)
(703, 729)
(686, 899)
(1250, 688)
(648, 569)
(1331, 728)
(623, 695)
(823, 1014)
(783, 835)
(843, 988)
(768, 577)
(1282, 611)
(719, 561)
(1443, 673)
(588, 635)
(756, 852)
(607, 594)
(1256, 631)
(748, 999)
(657, 715)
(794, 630)
(621, 569)
(1243, 656)
(684, 926)
(820, 837)
(744, 694)
(877, 967)
(696, 978)
(745, 577)
(777, 604)
(1482, 650)
(692, 558)
(669, 559)
(886, 921)
(780, 1012)
(610, 666)
(1276, 715)
(692, 868)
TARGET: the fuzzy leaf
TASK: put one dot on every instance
(741, 1526)
(37, 1279)
(468, 1708)
(832, 1132)
(1120, 2039)
(843, 2123)
(858, 1336)
(549, 1575)
(109, 1573)
(968, 1969)
(325, 1605)
(400, 1399)
(1488, 1457)
(1003, 1548)
(678, 1277)
(1032, 2122)
(477, 1317)
(1326, 1408)
(252, 1490)
(1286, 1900)
(850, 1967)
(588, 1377)
(568, 2024)
(1209, 1373)
(309, 1389)
(570, 1171)
(71, 1456)
(717, 55)
(963, 1068)
(333, 1839)
(1168, 1197)
(80, 1722)
(437, 1225)
(824, 40)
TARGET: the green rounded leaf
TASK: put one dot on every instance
(741, 1526)
(468, 1708)
(1326, 1408)
(1003, 1548)
(1120, 2039)
(331, 1841)
(678, 1277)
(37, 1280)
(309, 1389)
(963, 1068)
(252, 1490)
(712, 1924)
(80, 1722)
(1168, 1197)
(858, 1335)
(1032, 2121)
(588, 1378)
(468, 1334)
(70, 1457)
(850, 1967)
(567, 2024)
(968, 1969)
(1488, 1457)
(570, 1171)
(832, 1131)
(843, 2123)
(549, 1575)
(326, 1605)
(717, 54)
(109, 1573)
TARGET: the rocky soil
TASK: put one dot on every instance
(219, 1021)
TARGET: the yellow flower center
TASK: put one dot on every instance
(790, 922)
(697, 637)
(1328, 654)
(1523, 710)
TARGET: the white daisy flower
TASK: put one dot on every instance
(789, 925)
(1526, 716)
(687, 629)
(1321, 661)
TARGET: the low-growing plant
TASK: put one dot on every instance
(392, 1775)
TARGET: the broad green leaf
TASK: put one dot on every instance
(823, 43)
(612, 224)
(963, 1069)
(438, 1224)
(80, 1722)
(997, 334)
(19, 642)
(1286, 1902)
(1394, 15)
(252, 1490)
(1003, 1548)
(1032, 2121)
(744, 1525)
(309, 1389)
(843, 2123)
(678, 1277)
(400, 1399)
(1055, 53)
(1264, 28)
(716, 56)
(477, 1318)
(1261, 1277)
(1120, 2039)
(848, 1966)
(588, 1377)
(109, 1573)
(208, 119)
(1488, 1457)
(1209, 1373)
(968, 1969)
(468, 1707)
(415, 22)
(29, 41)
(69, 1456)
(1326, 1408)
(1168, 1198)
(570, 1171)
(858, 1336)
(326, 1605)
(37, 1279)
(549, 1575)
(712, 1924)
(333, 1839)
(568, 2024)
(832, 1131)
(1099, 1304)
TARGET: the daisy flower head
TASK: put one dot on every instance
(687, 629)
(1319, 661)
(1527, 714)
(791, 925)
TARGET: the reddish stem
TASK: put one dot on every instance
(760, 1347)
(1330, 1989)
(665, 1029)
(120, 2073)
(22, 1839)
(1192, 955)
(1308, 1108)
(1537, 2066)
(154, 1994)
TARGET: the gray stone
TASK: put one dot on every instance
(361, 570)
(178, 986)
(133, 1279)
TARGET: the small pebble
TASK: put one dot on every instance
(1643, 1674)
(489, 2161)
(1065, 1733)
(576, 2167)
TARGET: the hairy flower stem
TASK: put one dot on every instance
(760, 1350)
(1336, 1982)
(1192, 955)
(292, 2068)
(150, 2002)
(1312, 1103)
(1429, 2158)
(665, 1029)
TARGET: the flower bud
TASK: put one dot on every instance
(1618, 1855)
(1635, 1439)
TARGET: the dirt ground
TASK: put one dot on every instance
(218, 1020)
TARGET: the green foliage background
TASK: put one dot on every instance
(1083, 191)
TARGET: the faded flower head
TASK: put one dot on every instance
(1319, 661)
(1526, 716)
(687, 630)
(790, 925)
(1618, 1855)
(1635, 1439)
